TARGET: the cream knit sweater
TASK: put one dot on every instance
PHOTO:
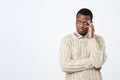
(80, 57)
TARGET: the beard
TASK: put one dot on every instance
(82, 32)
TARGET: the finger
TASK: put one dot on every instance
(91, 26)
(89, 23)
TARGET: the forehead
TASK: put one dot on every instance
(83, 17)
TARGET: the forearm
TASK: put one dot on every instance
(98, 55)
(70, 66)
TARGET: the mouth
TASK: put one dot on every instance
(81, 29)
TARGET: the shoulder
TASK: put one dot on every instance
(67, 38)
(99, 38)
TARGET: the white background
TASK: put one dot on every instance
(31, 31)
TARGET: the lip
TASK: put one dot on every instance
(81, 29)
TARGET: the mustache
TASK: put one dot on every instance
(82, 28)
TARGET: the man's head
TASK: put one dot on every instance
(82, 18)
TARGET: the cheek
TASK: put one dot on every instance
(77, 25)
(86, 27)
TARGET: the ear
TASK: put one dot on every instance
(91, 21)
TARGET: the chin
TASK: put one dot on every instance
(82, 32)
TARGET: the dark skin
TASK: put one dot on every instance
(81, 24)
(84, 25)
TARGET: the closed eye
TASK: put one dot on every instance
(86, 23)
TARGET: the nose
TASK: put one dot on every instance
(81, 25)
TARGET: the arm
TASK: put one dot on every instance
(97, 50)
(67, 63)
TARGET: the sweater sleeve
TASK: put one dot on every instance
(68, 64)
(97, 50)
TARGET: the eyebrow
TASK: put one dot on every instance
(83, 21)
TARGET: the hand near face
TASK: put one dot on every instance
(90, 30)
(98, 69)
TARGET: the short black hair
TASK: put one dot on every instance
(85, 11)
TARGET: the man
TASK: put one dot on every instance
(82, 53)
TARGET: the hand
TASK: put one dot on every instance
(90, 30)
(98, 69)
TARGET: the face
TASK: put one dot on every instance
(81, 24)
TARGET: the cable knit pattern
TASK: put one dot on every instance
(80, 57)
